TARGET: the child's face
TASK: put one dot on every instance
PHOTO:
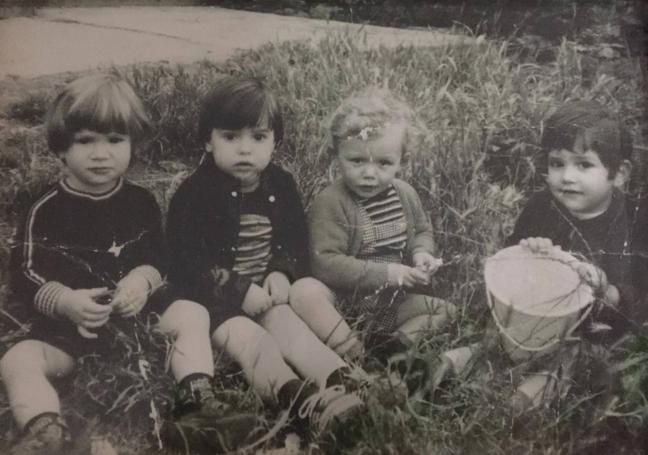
(578, 179)
(95, 161)
(243, 153)
(369, 167)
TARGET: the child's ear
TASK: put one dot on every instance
(208, 147)
(622, 175)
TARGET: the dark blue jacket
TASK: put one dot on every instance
(203, 227)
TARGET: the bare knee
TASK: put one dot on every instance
(29, 357)
(308, 291)
(239, 333)
(184, 317)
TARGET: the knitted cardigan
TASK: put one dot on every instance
(335, 229)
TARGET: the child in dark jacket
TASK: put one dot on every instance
(91, 247)
(238, 239)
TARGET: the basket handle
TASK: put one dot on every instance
(519, 345)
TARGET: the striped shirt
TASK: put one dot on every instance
(384, 228)
(254, 243)
(253, 251)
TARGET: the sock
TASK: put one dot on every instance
(385, 347)
(50, 429)
(192, 392)
(291, 396)
(338, 376)
(42, 420)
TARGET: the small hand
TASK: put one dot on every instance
(427, 263)
(79, 306)
(538, 245)
(277, 286)
(131, 295)
(407, 277)
(256, 301)
(597, 280)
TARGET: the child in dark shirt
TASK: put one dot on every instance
(581, 211)
(238, 239)
(89, 248)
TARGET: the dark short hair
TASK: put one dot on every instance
(236, 103)
(601, 131)
(100, 102)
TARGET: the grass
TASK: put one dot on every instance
(480, 110)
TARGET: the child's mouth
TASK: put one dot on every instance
(100, 170)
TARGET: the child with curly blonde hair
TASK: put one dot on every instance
(372, 246)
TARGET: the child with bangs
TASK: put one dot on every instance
(238, 241)
(583, 210)
(88, 249)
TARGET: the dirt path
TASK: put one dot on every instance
(76, 39)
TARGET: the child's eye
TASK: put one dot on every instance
(585, 165)
(116, 139)
(384, 163)
(84, 139)
(356, 160)
(555, 163)
(229, 136)
(260, 136)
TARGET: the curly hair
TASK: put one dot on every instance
(366, 114)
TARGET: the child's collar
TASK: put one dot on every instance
(92, 196)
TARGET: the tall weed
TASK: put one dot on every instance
(480, 117)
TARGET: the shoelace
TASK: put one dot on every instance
(311, 409)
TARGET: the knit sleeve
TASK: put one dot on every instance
(38, 264)
(423, 240)
(331, 230)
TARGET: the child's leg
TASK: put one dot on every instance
(200, 420)
(188, 323)
(534, 390)
(257, 352)
(299, 345)
(314, 302)
(26, 369)
(420, 314)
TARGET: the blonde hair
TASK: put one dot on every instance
(101, 102)
(365, 116)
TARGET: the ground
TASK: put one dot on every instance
(482, 105)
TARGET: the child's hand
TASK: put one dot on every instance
(131, 294)
(277, 286)
(538, 245)
(597, 279)
(256, 301)
(427, 263)
(407, 277)
(80, 307)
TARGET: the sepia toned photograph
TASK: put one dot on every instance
(283, 227)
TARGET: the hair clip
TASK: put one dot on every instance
(364, 134)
